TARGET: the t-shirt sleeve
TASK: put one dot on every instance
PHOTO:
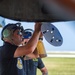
(9, 52)
(40, 63)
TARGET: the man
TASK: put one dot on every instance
(11, 62)
(31, 65)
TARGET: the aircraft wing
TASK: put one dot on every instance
(38, 10)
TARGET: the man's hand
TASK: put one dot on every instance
(38, 26)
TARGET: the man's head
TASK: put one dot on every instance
(27, 35)
(9, 30)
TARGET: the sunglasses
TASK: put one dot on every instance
(19, 33)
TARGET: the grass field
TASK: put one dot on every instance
(59, 66)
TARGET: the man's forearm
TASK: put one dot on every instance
(45, 73)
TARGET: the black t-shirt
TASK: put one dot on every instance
(8, 64)
(31, 66)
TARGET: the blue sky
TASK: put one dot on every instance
(67, 30)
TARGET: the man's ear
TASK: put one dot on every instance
(6, 33)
